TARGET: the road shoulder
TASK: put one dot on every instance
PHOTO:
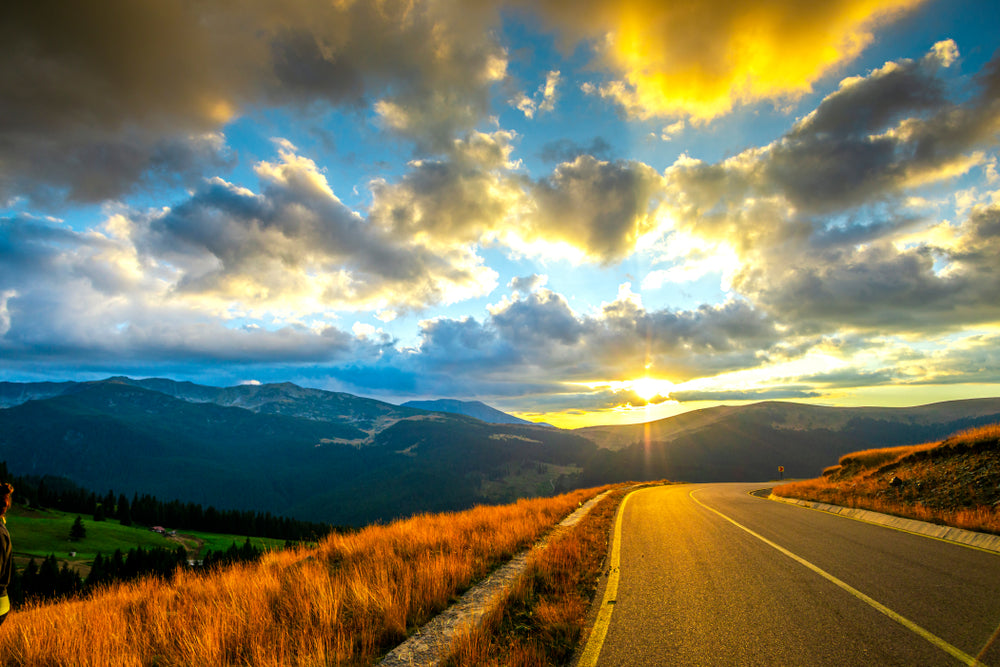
(984, 541)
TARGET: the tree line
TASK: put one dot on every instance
(62, 494)
(49, 581)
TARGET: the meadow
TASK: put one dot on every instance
(39, 533)
(345, 601)
(955, 481)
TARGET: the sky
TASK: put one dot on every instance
(588, 212)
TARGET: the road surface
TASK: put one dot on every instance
(710, 575)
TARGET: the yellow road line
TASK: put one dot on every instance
(956, 653)
(600, 630)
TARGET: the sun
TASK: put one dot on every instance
(647, 387)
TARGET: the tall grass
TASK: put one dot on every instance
(860, 481)
(345, 602)
(875, 458)
(541, 619)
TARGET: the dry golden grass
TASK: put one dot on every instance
(933, 489)
(541, 619)
(345, 602)
(875, 458)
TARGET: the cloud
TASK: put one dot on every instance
(87, 300)
(672, 130)
(588, 209)
(173, 284)
(536, 338)
(534, 344)
(295, 247)
(820, 222)
(853, 378)
(742, 395)
(134, 87)
(601, 208)
(527, 283)
(456, 200)
(700, 60)
(544, 99)
(972, 358)
(566, 150)
(5, 297)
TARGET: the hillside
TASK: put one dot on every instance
(367, 416)
(119, 435)
(955, 481)
(749, 443)
(346, 601)
(783, 416)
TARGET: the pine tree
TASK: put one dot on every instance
(124, 511)
(47, 582)
(78, 531)
(97, 572)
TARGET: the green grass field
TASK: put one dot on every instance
(38, 533)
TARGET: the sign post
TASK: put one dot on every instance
(781, 472)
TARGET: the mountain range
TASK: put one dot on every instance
(476, 409)
(335, 457)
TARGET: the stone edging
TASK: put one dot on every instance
(947, 533)
(430, 644)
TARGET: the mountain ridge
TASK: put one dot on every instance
(343, 459)
(118, 434)
(475, 409)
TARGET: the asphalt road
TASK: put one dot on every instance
(790, 586)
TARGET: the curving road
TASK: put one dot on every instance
(710, 575)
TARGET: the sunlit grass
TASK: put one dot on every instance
(932, 491)
(541, 619)
(346, 601)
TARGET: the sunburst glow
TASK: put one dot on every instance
(648, 388)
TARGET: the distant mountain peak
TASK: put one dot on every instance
(475, 409)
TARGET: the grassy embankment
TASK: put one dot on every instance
(346, 601)
(954, 482)
(541, 619)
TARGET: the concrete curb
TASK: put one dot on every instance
(947, 533)
(431, 643)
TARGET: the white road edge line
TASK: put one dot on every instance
(956, 653)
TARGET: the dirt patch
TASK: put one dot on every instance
(191, 543)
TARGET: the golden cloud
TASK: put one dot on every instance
(700, 59)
